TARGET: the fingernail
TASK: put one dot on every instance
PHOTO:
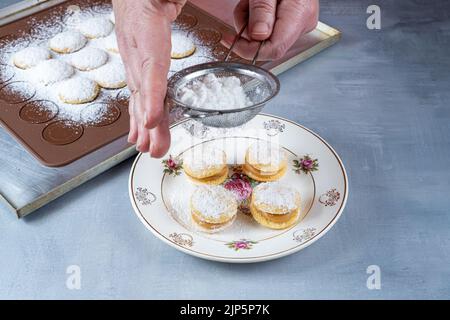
(145, 118)
(138, 144)
(150, 150)
(260, 28)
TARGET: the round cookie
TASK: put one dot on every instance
(97, 27)
(260, 176)
(274, 205)
(52, 71)
(215, 179)
(213, 208)
(268, 220)
(205, 165)
(78, 90)
(110, 43)
(88, 59)
(182, 45)
(265, 161)
(30, 57)
(110, 76)
(67, 42)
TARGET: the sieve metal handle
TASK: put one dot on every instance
(236, 38)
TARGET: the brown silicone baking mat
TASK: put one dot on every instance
(57, 143)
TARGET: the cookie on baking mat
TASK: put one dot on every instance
(67, 42)
(78, 90)
(182, 45)
(88, 59)
(97, 27)
(30, 57)
(205, 165)
(111, 75)
(213, 208)
(275, 205)
(110, 43)
(52, 71)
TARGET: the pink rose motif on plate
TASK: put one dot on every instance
(240, 186)
(173, 166)
(242, 244)
(306, 165)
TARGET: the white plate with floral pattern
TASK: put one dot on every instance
(159, 191)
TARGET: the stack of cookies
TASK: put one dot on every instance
(213, 208)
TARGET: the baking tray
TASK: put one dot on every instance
(28, 185)
(57, 143)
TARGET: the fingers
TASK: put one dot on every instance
(243, 47)
(155, 64)
(153, 91)
(133, 134)
(294, 18)
(241, 14)
(261, 18)
(160, 137)
(291, 19)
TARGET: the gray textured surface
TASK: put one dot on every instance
(5, 3)
(379, 97)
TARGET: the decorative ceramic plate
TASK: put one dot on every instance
(160, 192)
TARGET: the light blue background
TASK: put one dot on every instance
(381, 98)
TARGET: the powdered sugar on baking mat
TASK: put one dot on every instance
(39, 34)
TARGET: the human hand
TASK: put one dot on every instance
(280, 23)
(143, 29)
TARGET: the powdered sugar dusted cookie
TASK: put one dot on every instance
(213, 208)
(110, 43)
(78, 90)
(88, 59)
(111, 75)
(275, 205)
(97, 27)
(67, 42)
(51, 71)
(182, 45)
(30, 57)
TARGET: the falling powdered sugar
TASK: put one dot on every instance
(266, 153)
(203, 158)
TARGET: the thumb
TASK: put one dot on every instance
(261, 18)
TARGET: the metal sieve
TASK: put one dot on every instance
(259, 85)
